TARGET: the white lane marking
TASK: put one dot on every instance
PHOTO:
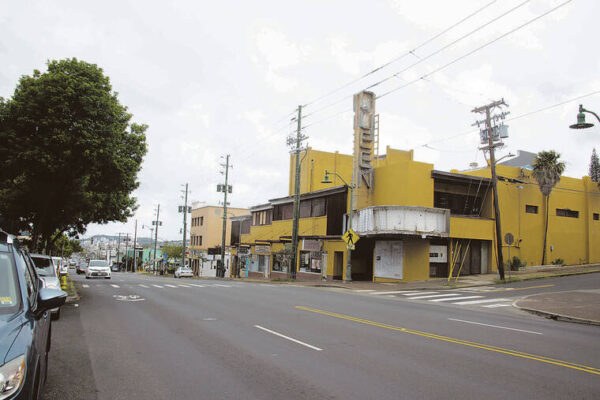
(464, 303)
(288, 338)
(166, 284)
(495, 326)
(431, 296)
(457, 298)
(157, 286)
(363, 290)
(193, 284)
(184, 285)
(498, 305)
(219, 285)
(84, 285)
(394, 292)
(144, 286)
(115, 286)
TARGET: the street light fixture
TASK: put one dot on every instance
(326, 179)
(581, 124)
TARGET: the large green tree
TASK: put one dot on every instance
(69, 153)
(547, 169)
(172, 251)
(595, 167)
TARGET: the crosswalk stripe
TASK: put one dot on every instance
(418, 293)
(219, 285)
(166, 284)
(497, 305)
(115, 286)
(144, 286)
(431, 296)
(456, 298)
(157, 286)
(184, 285)
(86, 286)
(193, 284)
(363, 290)
(468, 302)
(394, 292)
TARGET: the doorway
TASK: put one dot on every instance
(338, 265)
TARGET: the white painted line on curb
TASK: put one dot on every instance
(495, 326)
(431, 296)
(457, 298)
(144, 286)
(115, 286)
(157, 286)
(288, 338)
(394, 292)
(468, 302)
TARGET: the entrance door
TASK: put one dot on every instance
(388, 259)
(338, 265)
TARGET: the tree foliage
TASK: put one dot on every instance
(172, 251)
(595, 167)
(65, 246)
(69, 153)
(547, 169)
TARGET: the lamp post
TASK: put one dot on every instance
(348, 248)
(581, 124)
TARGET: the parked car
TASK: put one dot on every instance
(45, 269)
(115, 267)
(183, 272)
(97, 269)
(25, 324)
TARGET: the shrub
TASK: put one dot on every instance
(559, 262)
(516, 264)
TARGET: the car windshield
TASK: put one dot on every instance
(9, 292)
(98, 263)
(43, 266)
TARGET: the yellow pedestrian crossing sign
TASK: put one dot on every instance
(350, 237)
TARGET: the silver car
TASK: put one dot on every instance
(182, 272)
(47, 271)
(97, 269)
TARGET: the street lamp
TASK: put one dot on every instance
(349, 249)
(581, 124)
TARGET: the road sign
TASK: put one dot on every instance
(509, 239)
(350, 237)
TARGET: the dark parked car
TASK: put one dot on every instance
(81, 267)
(24, 322)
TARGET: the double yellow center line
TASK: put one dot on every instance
(514, 353)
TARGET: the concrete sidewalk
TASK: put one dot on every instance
(582, 306)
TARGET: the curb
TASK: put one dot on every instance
(555, 316)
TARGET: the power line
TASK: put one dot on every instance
(402, 56)
(476, 49)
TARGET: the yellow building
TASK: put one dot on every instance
(207, 229)
(415, 222)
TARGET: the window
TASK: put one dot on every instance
(283, 211)
(319, 207)
(199, 239)
(596, 216)
(262, 217)
(531, 209)
(565, 212)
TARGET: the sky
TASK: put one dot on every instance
(226, 77)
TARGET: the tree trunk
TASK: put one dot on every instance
(546, 229)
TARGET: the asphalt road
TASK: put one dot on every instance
(140, 337)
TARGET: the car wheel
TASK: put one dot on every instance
(108, 277)
(87, 277)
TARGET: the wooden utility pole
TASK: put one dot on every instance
(489, 130)
(221, 269)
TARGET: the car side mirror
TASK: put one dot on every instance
(49, 299)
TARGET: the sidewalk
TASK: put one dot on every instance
(582, 306)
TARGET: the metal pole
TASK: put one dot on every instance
(349, 249)
(294, 263)
(119, 251)
(184, 227)
(126, 251)
(222, 268)
(134, 248)
(156, 235)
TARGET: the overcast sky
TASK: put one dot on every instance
(224, 77)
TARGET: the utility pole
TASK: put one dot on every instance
(488, 134)
(126, 252)
(156, 224)
(297, 141)
(119, 249)
(185, 209)
(225, 189)
(134, 248)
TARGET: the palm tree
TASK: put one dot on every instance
(547, 170)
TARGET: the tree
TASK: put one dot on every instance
(595, 167)
(69, 154)
(547, 170)
(65, 246)
(172, 251)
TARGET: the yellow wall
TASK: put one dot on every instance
(212, 228)
(312, 170)
(415, 261)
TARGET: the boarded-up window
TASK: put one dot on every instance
(531, 209)
(287, 211)
(596, 216)
(305, 207)
(565, 212)
(319, 207)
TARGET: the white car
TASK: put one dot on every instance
(97, 269)
(183, 271)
